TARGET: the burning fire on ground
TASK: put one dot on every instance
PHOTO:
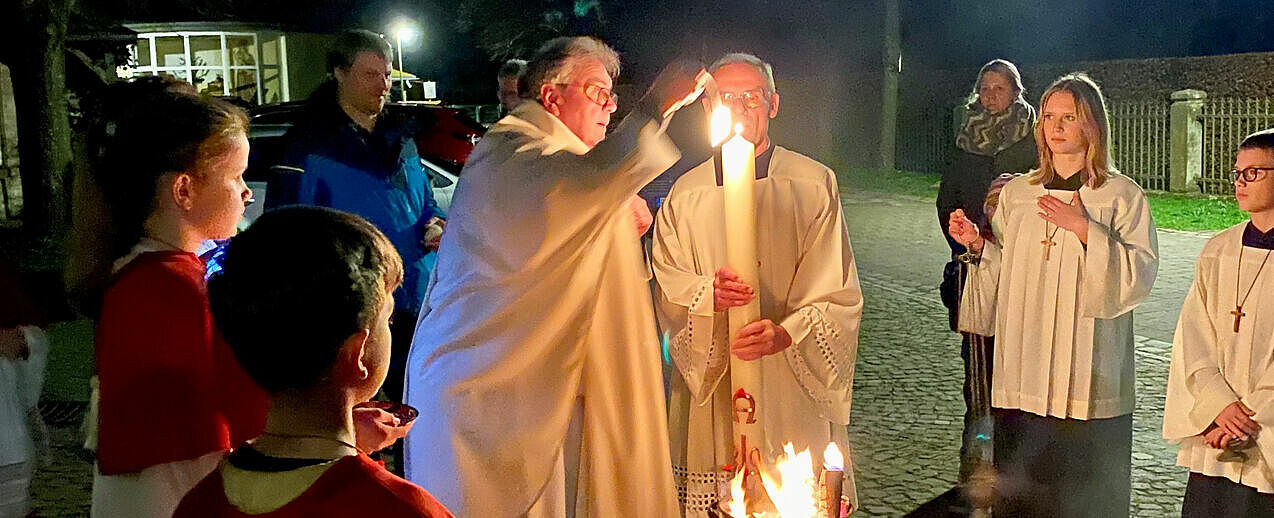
(796, 492)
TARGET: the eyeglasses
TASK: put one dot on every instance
(1250, 174)
(597, 94)
(751, 99)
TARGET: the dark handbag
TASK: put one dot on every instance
(952, 279)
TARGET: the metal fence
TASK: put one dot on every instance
(1225, 122)
(1140, 142)
(925, 140)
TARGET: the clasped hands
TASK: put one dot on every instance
(754, 340)
(1234, 423)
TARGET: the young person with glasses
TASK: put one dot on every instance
(1221, 381)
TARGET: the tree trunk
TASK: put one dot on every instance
(892, 66)
(44, 129)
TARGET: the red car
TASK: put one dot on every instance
(444, 136)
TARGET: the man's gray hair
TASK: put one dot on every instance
(741, 57)
(512, 69)
(559, 60)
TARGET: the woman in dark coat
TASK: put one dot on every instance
(996, 137)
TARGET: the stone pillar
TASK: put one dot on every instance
(1185, 130)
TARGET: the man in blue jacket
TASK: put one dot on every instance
(358, 160)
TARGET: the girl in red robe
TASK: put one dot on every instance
(168, 168)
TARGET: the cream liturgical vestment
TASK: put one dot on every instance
(539, 310)
(1063, 326)
(1213, 366)
(808, 284)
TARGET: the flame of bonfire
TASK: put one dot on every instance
(793, 494)
(832, 458)
(719, 125)
(736, 507)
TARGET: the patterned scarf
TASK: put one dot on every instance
(986, 133)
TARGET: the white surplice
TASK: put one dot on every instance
(808, 284)
(540, 309)
(1063, 327)
(1213, 366)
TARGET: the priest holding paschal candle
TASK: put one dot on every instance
(780, 370)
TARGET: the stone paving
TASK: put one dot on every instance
(907, 406)
(64, 486)
(906, 420)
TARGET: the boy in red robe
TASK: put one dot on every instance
(313, 331)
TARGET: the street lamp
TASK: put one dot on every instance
(402, 31)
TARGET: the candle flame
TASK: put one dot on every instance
(793, 494)
(720, 125)
(832, 458)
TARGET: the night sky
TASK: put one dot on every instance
(963, 33)
(803, 35)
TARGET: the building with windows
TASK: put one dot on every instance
(254, 63)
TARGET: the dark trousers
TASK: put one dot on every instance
(1217, 497)
(1051, 467)
(976, 351)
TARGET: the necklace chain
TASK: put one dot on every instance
(1238, 275)
(1048, 236)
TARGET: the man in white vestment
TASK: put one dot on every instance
(1221, 383)
(1076, 251)
(535, 364)
(810, 302)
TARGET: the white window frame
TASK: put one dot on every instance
(225, 68)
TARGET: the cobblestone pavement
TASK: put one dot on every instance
(906, 420)
(907, 406)
(64, 486)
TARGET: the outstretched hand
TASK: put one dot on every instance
(376, 429)
(677, 85)
(1070, 216)
(964, 231)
